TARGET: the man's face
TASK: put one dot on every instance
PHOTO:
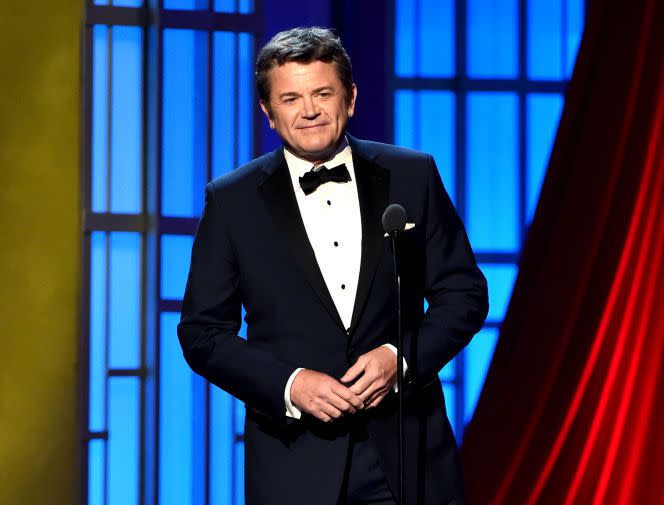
(309, 109)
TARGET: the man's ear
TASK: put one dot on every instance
(351, 102)
(268, 113)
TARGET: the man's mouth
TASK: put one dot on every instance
(311, 126)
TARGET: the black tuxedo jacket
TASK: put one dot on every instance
(251, 249)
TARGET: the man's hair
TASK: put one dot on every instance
(303, 45)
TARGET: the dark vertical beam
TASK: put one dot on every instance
(461, 97)
(84, 317)
(369, 46)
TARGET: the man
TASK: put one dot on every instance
(301, 246)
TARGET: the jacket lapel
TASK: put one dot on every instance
(373, 191)
(277, 192)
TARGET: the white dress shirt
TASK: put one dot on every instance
(332, 220)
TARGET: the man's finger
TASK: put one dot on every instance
(361, 386)
(331, 411)
(340, 403)
(352, 373)
(348, 395)
(370, 392)
(376, 400)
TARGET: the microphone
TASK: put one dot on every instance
(394, 222)
(394, 219)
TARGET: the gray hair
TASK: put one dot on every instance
(303, 45)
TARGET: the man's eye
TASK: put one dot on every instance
(324, 94)
(289, 100)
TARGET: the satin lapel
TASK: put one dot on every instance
(277, 192)
(373, 182)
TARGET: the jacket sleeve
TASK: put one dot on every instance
(211, 319)
(455, 289)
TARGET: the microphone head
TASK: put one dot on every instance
(394, 218)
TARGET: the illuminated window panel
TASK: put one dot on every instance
(545, 40)
(573, 17)
(426, 122)
(126, 118)
(175, 257)
(127, 3)
(493, 35)
(184, 147)
(492, 173)
(239, 6)
(448, 373)
(239, 473)
(123, 440)
(478, 356)
(186, 4)
(124, 342)
(181, 429)
(221, 446)
(233, 101)
(98, 309)
(224, 115)
(542, 117)
(500, 279)
(425, 38)
(99, 146)
(450, 393)
(245, 97)
(96, 464)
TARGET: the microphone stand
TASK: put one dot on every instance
(400, 452)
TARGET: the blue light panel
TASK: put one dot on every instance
(437, 38)
(450, 392)
(125, 301)
(223, 108)
(239, 473)
(128, 3)
(175, 257)
(545, 55)
(448, 372)
(425, 38)
(543, 115)
(493, 34)
(221, 446)
(185, 4)
(405, 60)
(492, 178)
(126, 119)
(99, 118)
(224, 5)
(574, 20)
(246, 6)
(500, 279)
(123, 440)
(184, 122)
(96, 464)
(425, 121)
(245, 97)
(97, 380)
(406, 125)
(175, 418)
(478, 357)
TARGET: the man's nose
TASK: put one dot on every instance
(309, 108)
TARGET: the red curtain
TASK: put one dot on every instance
(572, 411)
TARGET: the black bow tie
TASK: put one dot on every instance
(310, 181)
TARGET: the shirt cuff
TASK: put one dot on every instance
(291, 410)
(405, 365)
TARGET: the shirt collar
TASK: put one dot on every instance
(298, 167)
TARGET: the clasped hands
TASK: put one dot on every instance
(326, 398)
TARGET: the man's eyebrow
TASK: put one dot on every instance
(288, 94)
(323, 88)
